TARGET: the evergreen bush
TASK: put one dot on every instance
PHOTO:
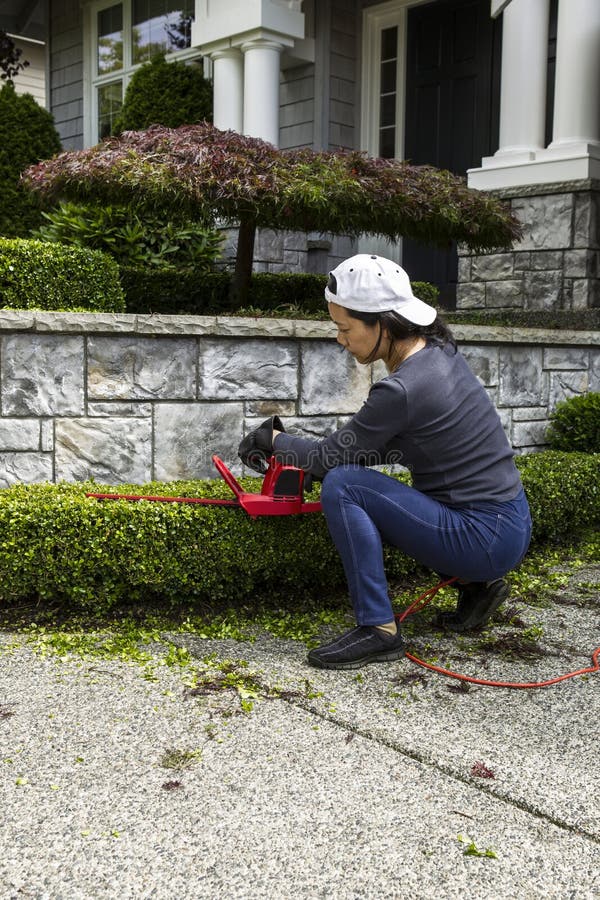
(27, 135)
(132, 239)
(58, 545)
(575, 424)
(35, 275)
(198, 293)
(165, 93)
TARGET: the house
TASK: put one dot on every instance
(26, 25)
(505, 92)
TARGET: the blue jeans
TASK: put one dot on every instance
(365, 508)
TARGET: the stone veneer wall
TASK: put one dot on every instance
(131, 398)
(557, 263)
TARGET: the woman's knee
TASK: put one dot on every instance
(335, 482)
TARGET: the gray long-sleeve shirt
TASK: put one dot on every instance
(432, 416)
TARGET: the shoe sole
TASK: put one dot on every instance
(384, 656)
(473, 621)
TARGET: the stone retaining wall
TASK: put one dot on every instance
(126, 398)
(557, 263)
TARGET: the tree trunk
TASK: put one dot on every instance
(240, 285)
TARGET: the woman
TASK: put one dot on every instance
(465, 515)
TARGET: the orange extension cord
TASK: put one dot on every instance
(426, 597)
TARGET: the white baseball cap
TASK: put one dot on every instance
(374, 284)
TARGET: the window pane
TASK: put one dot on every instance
(110, 39)
(159, 26)
(389, 43)
(387, 142)
(388, 76)
(110, 101)
(387, 110)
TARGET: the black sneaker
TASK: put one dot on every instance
(362, 645)
(477, 603)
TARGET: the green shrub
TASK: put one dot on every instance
(35, 275)
(27, 135)
(58, 545)
(563, 490)
(575, 424)
(132, 239)
(208, 294)
(165, 93)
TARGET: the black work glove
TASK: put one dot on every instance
(256, 448)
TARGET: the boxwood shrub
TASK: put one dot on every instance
(575, 424)
(58, 545)
(197, 293)
(38, 275)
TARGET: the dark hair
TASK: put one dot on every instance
(400, 328)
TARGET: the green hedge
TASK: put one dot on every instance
(575, 424)
(58, 545)
(37, 275)
(195, 293)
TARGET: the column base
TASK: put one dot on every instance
(577, 161)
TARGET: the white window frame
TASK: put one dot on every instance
(91, 79)
(375, 20)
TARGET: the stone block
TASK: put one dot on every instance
(522, 262)
(139, 368)
(42, 375)
(464, 269)
(586, 219)
(316, 427)
(483, 361)
(567, 384)
(546, 260)
(331, 381)
(529, 434)
(188, 434)
(581, 264)
(138, 410)
(47, 435)
(493, 267)
(529, 413)
(504, 294)
(522, 381)
(112, 451)
(546, 220)
(585, 293)
(566, 358)
(19, 434)
(263, 408)
(470, 296)
(594, 370)
(24, 468)
(248, 370)
(543, 290)
(247, 326)
(268, 245)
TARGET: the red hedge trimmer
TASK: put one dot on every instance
(282, 493)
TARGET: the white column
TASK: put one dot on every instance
(228, 89)
(576, 106)
(261, 89)
(523, 85)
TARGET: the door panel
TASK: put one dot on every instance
(452, 108)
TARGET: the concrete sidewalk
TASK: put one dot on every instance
(382, 782)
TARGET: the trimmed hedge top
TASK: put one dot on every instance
(38, 275)
(58, 545)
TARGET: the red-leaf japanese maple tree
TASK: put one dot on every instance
(197, 172)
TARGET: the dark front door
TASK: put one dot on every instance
(452, 108)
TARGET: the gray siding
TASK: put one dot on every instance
(297, 107)
(343, 74)
(66, 71)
